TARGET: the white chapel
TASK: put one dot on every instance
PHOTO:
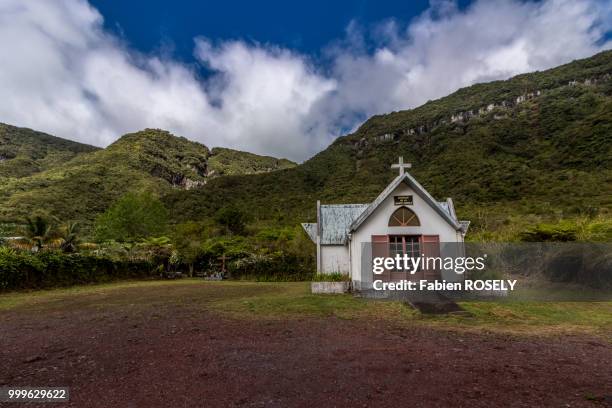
(403, 219)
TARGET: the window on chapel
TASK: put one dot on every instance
(404, 217)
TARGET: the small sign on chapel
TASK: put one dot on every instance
(403, 200)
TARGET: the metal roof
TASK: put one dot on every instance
(336, 220)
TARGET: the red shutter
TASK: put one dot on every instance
(380, 245)
(430, 245)
(380, 248)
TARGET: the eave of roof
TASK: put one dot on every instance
(311, 230)
(464, 226)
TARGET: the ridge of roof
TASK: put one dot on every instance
(344, 205)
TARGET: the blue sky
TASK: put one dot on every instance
(275, 77)
(304, 26)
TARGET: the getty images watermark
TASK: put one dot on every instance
(559, 271)
(409, 266)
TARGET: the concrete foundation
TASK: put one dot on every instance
(329, 287)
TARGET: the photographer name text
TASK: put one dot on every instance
(501, 285)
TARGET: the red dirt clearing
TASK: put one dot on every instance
(184, 357)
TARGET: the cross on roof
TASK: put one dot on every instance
(401, 165)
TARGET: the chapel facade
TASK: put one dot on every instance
(403, 219)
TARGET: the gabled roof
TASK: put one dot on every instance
(336, 220)
(444, 211)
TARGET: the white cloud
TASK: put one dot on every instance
(62, 73)
(263, 96)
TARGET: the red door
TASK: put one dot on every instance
(380, 248)
(430, 249)
(409, 245)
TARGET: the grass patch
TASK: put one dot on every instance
(25, 299)
(294, 300)
(534, 317)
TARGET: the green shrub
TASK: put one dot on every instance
(133, 217)
(17, 268)
(597, 229)
(561, 232)
(272, 254)
(26, 270)
(275, 267)
(330, 277)
(233, 219)
(588, 265)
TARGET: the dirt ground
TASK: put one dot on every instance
(135, 348)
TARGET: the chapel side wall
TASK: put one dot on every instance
(377, 223)
(335, 259)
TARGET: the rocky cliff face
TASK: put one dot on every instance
(498, 110)
(186, 164)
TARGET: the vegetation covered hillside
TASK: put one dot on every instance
(228, 162)
(24, 151)
(152, 160)
(535, 148)
(511, 153)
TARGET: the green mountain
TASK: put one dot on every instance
(510, 153)
(228, 162)
(152, 160)
(24, 152)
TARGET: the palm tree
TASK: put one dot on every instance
(157, 250)
(37, 232)
(68, 237)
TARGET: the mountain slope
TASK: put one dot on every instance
(537, 144)
(152, 160)
(228, 162)
(24, 151)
